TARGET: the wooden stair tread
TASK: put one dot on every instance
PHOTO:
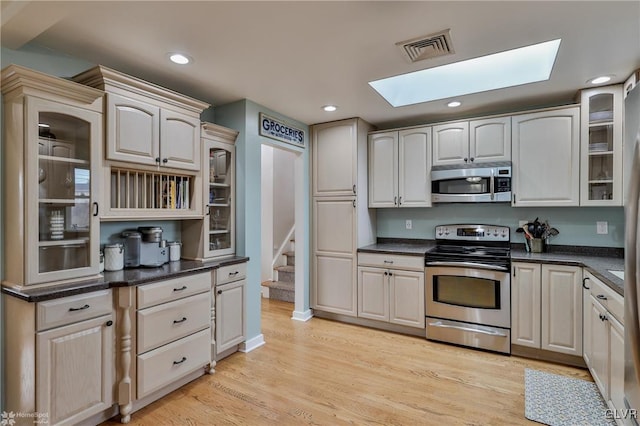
(285, 268)
(289, 253)
(280, 285)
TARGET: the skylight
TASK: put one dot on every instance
(514, 67)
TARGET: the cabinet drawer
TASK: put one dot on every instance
(611, 300)
(168, 363)
(165, 323)
(230, 273)
(391, 261)
(67, 310)
(173, 289)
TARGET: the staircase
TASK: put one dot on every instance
(284, 288)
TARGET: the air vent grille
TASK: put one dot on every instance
(429, 46)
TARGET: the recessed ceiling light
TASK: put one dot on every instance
(329, 108)
(179, 58)
(496, 71)
(454, 104)
(600, 80)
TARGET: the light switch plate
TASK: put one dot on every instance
(408, 224)
(602, 227)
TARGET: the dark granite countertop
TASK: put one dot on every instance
(409, 247)
(122, 278)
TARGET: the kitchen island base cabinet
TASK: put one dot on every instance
(230, 287)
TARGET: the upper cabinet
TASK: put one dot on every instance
(474, 141)
(399, 167)
(52, 140)
(335, 159)
(601, 153)
(546, 158)
(147, 124)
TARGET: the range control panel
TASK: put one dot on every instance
(473, 232)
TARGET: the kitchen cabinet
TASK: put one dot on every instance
(399, 168)
(604, 355)
(52, 145)
(546, 307)
(340, 218)
(65, 362)
(230, 300)
(215, 235)
(601, 152)
(546, 158)
(476, 141)
(392, 290)
(147, 124)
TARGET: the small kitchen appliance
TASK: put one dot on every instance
(153, 249)
(132, 244)
(468, 287)
(471, 183)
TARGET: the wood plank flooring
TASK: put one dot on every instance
(323, 372)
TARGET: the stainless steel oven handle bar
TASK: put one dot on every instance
(473, 330)
(468, 265)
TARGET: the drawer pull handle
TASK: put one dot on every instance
(82, 308)
(602, 297)
(180, 320)
(390, 262)
(184, 287)
(184, 358)
(584, 283)
(233, 274)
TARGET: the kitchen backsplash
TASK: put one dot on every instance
(577, 225)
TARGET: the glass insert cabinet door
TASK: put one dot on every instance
(219, 213)
(63, 220)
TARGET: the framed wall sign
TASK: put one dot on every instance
(280, 131)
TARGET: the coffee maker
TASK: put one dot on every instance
(145, 247)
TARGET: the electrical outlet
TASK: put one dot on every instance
(522, 223)
(408, 224)
(602, 227)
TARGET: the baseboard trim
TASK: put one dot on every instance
(550, 356)
(380, 325)
(302, 315)
(252, 344)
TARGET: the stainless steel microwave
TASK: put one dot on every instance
(472, 183)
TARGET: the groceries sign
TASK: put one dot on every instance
(276, 129)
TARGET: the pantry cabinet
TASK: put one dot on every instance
(601, 148)
(334, 150)
(52, 145)
(546, 158)
(475, 141)
(399, 168)
(546, 307)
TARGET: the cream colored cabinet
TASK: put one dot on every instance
(147, 124)
(601, 148)
(399, 168)
(546, 307)
(215, 235)
(604, 355)
(546, 158)
(64, 364)
(475, 141)
(340, 218)
(230, 312)
(388, 292)
(52, 142)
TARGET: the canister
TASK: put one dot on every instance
(174, 250)
(113, 257)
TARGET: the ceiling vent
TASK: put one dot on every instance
(429, 46)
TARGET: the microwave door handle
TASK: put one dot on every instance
(492, 185)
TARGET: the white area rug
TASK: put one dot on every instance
(563, 401)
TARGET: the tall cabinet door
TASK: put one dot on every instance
(62, 232)
(219, 178)
(335, 280)
(334, 153)
(451, 143)
(414, 167)
(562, 309)
(546, 158)
(179, 140)
(490, 139)
(525, 304)
(383, 169)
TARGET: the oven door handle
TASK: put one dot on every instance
(473, 330)
(468, 265)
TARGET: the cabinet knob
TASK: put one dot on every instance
(471, 159)
(386, 273)
(165, 160)
(219, 291)
(109, 323)
(157, 159)
(466, 159)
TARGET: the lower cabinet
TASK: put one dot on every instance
(388, 292)
(546, 307)
(230, 299)
(604, 337)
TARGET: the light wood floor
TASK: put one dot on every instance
(327, 373)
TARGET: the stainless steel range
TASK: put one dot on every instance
(468, 287)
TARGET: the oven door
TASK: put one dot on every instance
(469, 294)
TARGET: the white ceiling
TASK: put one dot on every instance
(294, 57)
